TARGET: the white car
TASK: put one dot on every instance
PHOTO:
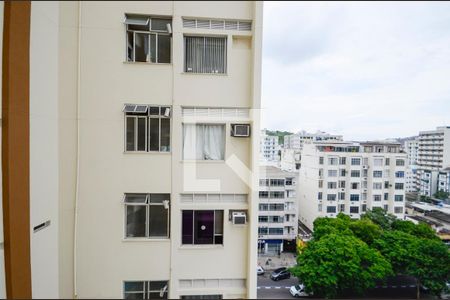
(298, 290)
(260, 270)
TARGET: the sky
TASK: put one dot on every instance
(366, 70)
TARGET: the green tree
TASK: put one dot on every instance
(339, 262)
(421, 230)
(441, 195)
(324, 226)
(366, 230)
(379, 216)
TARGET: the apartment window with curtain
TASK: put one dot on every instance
(204, 54)
(148, 39)
(147, 215)
(202, 227)
(147, 128)
(203, 141)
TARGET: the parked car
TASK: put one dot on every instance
(279, 274)
(260, 270)
(298, 291)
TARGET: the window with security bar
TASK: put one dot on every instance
(147, 128)
(148, 39)
(205, 54)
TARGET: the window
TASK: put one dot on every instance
(333, 161)
(320, 172)
(202, 227)
(264, 182)
(386, 184)
(147, 215)
(388, 162)
(355, 173)
(399, 186)
(386, 207)
(148, 39)
(342, 160)
(342, 184)
(354, 209)
(145, 289)
(289, 181)
(341, 196)
(356, 161)
(321, 160)
(399, 174)
(331, 209)
(332, 185)
(319, 196)
(355, 185)
(205, 54)
(263, 230)
(276, 182)
(263, 194)
(354, 197)
(376, 197)
(276, 207)
(331, 197)
(264, 207)
(342, 172)
(377, 174)
(277, 195)
(320, 183)
(201, 297)
(377, 162)
(363, 207)
(332, 173)
(399, 162)
(398, 210)
(276, 231)
(203, 142)
(319, 208)
(263, 219)
(398, 198)
(341, 207)
(386, 196)
(147, 128)
(377, 185)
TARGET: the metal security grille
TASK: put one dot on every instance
(205, 54)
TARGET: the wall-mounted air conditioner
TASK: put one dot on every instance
(239, 218)
(240, 130)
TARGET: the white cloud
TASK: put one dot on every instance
(364, 70)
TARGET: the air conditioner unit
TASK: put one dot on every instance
(239, 218)
(240, 130)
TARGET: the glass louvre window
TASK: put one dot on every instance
(205, 54)
(202, 227)
(355, 161)
(398, 198)
(354, 209)
(203, 142)
(342, 160)
(276, 231)
(148, 39)
(355, 173)
(147, 215)
(399, 162)
(146, 130)
(276, 182)
(277, 195)
(399, 186)
(331, 209)
(145, 289)
(276, 207)
(377, 174)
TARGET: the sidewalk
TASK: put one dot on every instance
(285, 260)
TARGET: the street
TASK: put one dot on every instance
(269, 289)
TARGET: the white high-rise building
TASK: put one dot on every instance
(444, 180)
(350, 178)
(269, 147)
(412, 153)
(433, 155)
(278, 219)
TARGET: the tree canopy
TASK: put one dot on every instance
(354, 254)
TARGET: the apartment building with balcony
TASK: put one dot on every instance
(142, 168)
(433, 155)
(444, 180)
(278, 216)
(350, 177)
(269, 147)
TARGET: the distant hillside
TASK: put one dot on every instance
(279, 134)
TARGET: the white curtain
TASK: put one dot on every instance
(203, 142)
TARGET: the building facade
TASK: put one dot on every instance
(350, 178)
(278, 226)
(296, 141)
(433, 155)
(412, 153)
(444, 180)
(269, 147)
(146, 185)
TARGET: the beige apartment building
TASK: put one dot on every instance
(350, 177)
(143, 149)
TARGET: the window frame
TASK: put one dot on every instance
(146, 288)
(148, 33)
(224, 125)
(204, 36)
(214, 227)
(147, 205)
(148, 117)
